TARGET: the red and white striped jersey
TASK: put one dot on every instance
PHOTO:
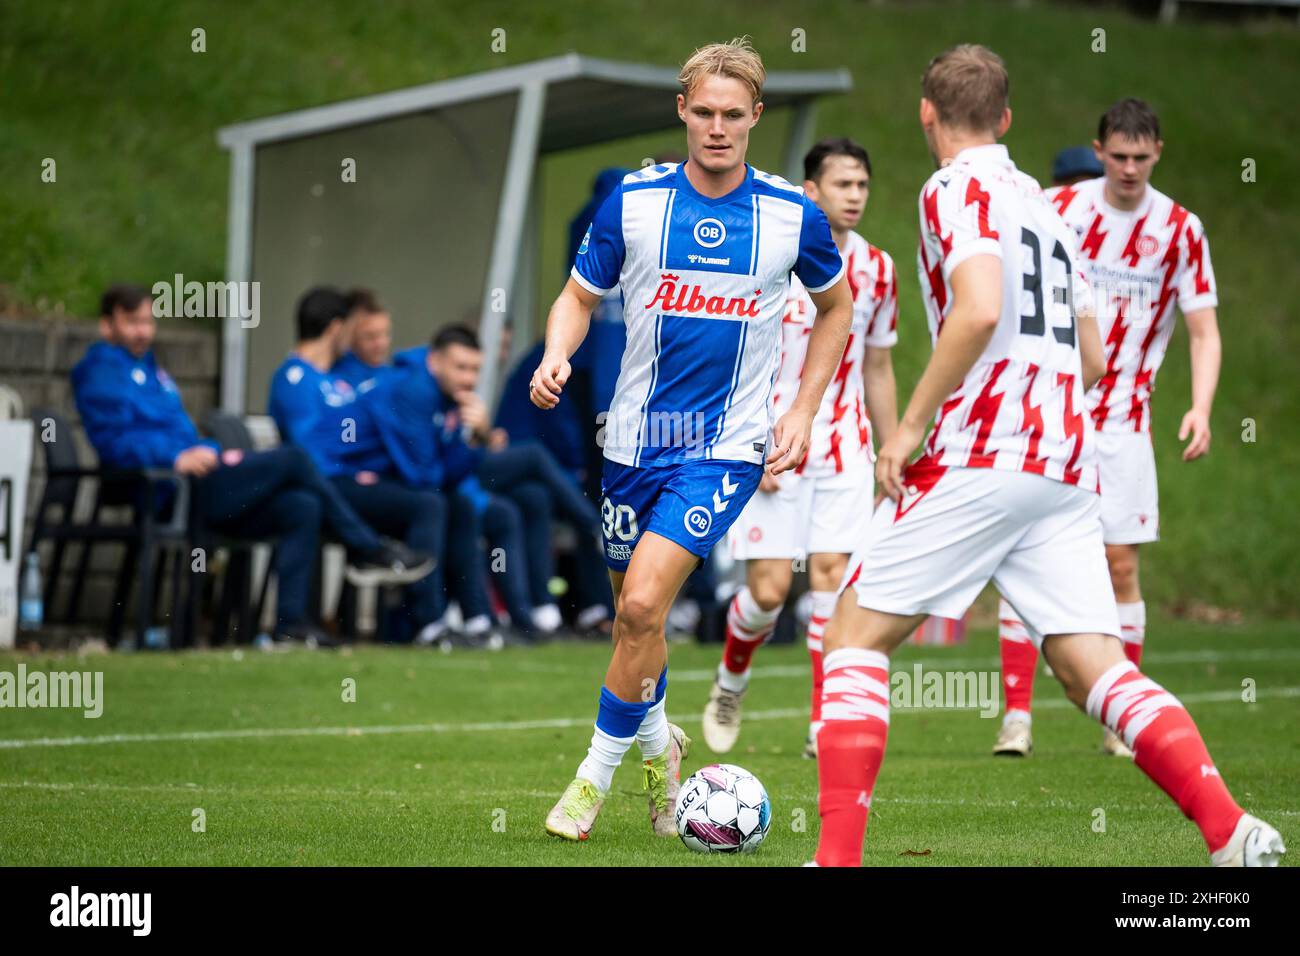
(1137, 263)
(1021, 406)
(841, 431)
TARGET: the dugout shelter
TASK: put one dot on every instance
(443, 207)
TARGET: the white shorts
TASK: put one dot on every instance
(1130, 502)
(1038, 540)
(804, 516)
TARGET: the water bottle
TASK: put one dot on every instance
(31, 604)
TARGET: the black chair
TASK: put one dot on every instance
(159, 502)
(237, 614)
(230, 431)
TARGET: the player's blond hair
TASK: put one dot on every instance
(736, 59)
(968, 86)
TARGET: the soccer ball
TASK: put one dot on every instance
(723, 808)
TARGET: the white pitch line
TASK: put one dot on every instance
(939, 662)
(255, 733)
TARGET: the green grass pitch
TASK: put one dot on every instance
(455, 760)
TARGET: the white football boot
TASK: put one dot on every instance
(1253, 843)
(722, 718)
(1014, 740)
(573, 817)
(1114, 745)
(663, 779)
(810, 747)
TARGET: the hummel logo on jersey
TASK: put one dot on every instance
(728, 488)
(863, 800)
(691, 300)
(710, 233)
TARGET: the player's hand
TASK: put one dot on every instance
(548, 381)
(790, 440)
(892, 459)
(1197, 425)
(498, 439)
(196, 461)
(769, 483)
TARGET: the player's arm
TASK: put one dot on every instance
(1207, 356)
(566, 327)
(595, 272)
(977, 304)
(1090, 351)
(881, 391)
(826, 343)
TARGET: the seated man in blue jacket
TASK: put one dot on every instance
(319, 412)
(541, 468)
(132, 413)
(370, 340)
(434, 426)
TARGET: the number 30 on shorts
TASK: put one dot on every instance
(619, 521)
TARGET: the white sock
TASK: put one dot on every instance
(823, 606)
(1017, 715)
(736, 683)
(603, 757)
(749, 624)
(1133, 622)
(652, 735)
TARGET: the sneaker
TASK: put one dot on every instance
(390, 563)
(449, 640)
(303, 635)
(547, 618)
(662, 777)
(1014, 740)
(722, 718)
(573, 817)
(1253, 843)
(431, 634)
(1113, 744)
(499, 638)
(590, 618)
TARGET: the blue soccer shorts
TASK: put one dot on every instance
(692, 503)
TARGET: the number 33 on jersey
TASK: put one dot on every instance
(1021, 406)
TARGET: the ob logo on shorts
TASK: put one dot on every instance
(698, 521)
(710, 233)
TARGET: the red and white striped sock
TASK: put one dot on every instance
(748, 626)
(1133, 629)
(850, 747)
(823, 605)
(1019, 660)
(1167, 747)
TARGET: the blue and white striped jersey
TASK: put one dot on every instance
(704, 287)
